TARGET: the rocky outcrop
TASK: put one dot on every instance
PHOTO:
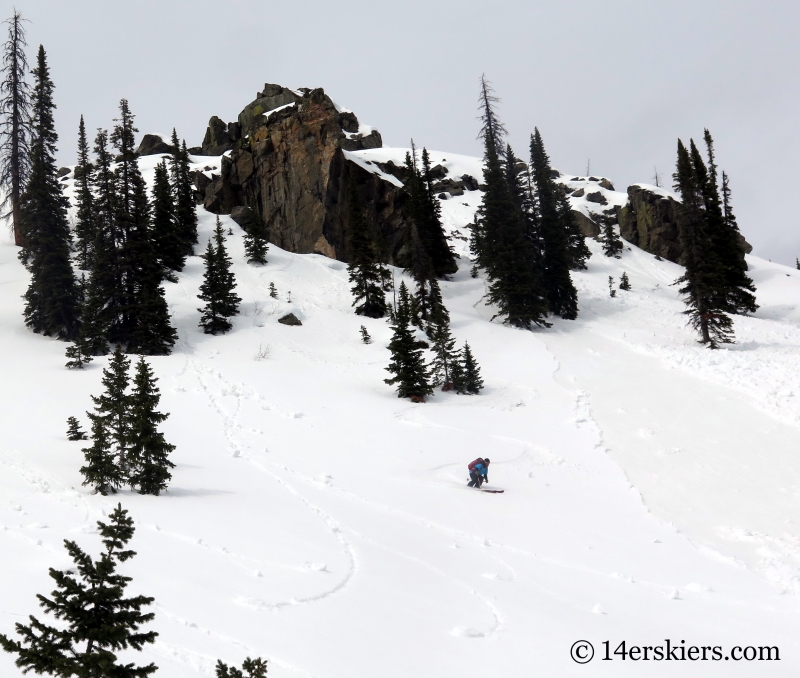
(651, 220)
(588, 227)
(288, 169)
(153, 144)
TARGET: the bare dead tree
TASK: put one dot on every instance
(15, 122)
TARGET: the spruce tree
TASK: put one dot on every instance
(424, 276)
(611, 291)
(84, 203)
(217, 288)
(703, 277)
(96, 620)
(741, 298)
(562, 298)
(365, 338)
(15, 124)
(251, 668)
(273, 292)
(148, 452)
(577, 249)
(407, 364)
(364, 274)
(183, 190)
(442, 259)
(51, 303)
(437, 311)
(78, 353)
(624, 282)
(256, 243)
(167, 239)
(445, 356)
(102, 470)
(470, 378)
(612, 243)
(74, 431)
(112, 406)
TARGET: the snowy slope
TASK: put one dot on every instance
(316, 519)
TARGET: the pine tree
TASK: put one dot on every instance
(78, 354)
(445, 356)
(167, 239)
(742, 290)
(408, 365)
(74, 431)
(577, 249)
(217, 288)
(256, 243)
(251, 668)
(15, 124)
(273, 292)
(442, 259)
(612, 243)
(437, 311)
(457, 377)
(611, 291)
(797, 263)
(84, 203)
(562, 298)
(96, 621)
(702, 279)
(111, 408)
(424, 275)
(148, 452)
(471, 382)
(51, 303)
(183, 190)
(362, 267)
(91, 340)
(102, 470)
(365, 335)
(624, 282)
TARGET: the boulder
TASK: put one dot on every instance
(290, 319)
(153, 144)
(219, 197)
(349, 122)
(245, 217)
(438, 172)
(63, 172)
(605, 183)
(216, 140)
(361, 142)
(589, 228)
(650, 221)
(469, 182)
(579, 193)
(201, 182)
(597, 197)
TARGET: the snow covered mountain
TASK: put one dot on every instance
(317, 520)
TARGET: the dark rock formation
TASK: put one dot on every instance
(652, 221)
(589, 228)
(63, 172)
(290, 319)
(290, 170)
(245, 217)
(470, 182)
(361, 142)
(217, 140)
(605, 183)
(597, 197)
(152, 144)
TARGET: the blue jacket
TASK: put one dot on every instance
(480, 469)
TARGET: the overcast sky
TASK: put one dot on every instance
(614, 82)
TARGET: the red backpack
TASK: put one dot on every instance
(472, 464)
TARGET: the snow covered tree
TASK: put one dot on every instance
(217, 288)
(365, 338)
(470, 381)
(74, 431)
(362, 267)
(148, 451)
(15, 123)
(84, 202)
(624, 282)
(167, 239)
(562, 298)
(612, 243)
(51, 301)
(251, 668)
(407, 364)
(96, 620)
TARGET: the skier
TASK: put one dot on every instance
(478, 472)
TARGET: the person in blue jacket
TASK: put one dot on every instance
(478, 472)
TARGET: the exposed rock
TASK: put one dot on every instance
(589, 227)
(398, 171)
(195, 150)
(597, 197)
(290, 170)
(349, 122)
(63, 171)
(217, 140)
(290, 319)
(594, 179)
(470, 183)
(554, 173)
(605, 183)
(451, 186)
(245, 217)
(270, 98)
(201, 182)
(650, 221)
(438, 172)
(361, 142)
(152, 144)
(579, 193)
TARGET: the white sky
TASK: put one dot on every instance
(615, 82)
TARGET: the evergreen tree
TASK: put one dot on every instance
(434, 240)
(183, 190)
(167, 239)
(364, 272)
(91, 340)
(562, 298)
(445, 355)
(84, 203)
(422, 271)
(273, 292)
(611, 291)
(15, 124)
(742, 290)
(702, 279)
(217, 288)
(256, 243)
(148, 452)
(51, 303)
(437, 311)
(111, 408)
(797, 263)
(365, 335)
(251, 668)
(457, 377)
(78, 353)
(470, 381)
(612, 243)
(407, 365)
(74, 431)
(577, 249)
(96, 621)
(102, 471)
(624, 282)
